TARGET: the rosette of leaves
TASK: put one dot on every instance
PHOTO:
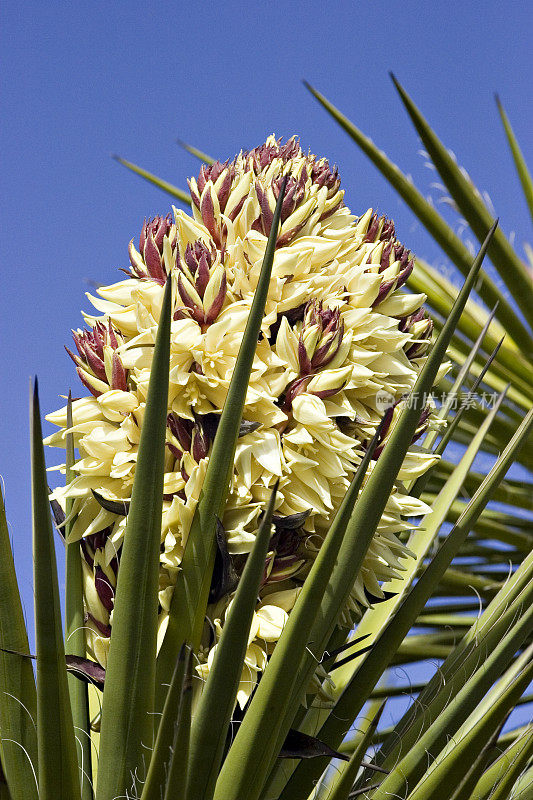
(154, 741)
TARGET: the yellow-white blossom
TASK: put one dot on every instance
(338, 334)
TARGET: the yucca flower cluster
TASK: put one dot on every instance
(337, 337)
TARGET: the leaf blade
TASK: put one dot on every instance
(166, 187)
(129, 686)
(166, 733)
(75, 630)
(518, 157)
(214, 710)
(18, 706)
(58, 764)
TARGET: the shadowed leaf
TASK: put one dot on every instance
(225, 577)
(301, 745)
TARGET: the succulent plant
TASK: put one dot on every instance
(243, 568)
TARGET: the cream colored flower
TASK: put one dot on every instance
(338, 335)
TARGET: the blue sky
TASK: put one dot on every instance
(80, 83)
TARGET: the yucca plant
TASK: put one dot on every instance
(243, 573)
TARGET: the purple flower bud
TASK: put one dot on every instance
(207, 211)
(263, 155)
(200, 443)
(86, 380)
(181, 429)
(320, 336)
(284, 567)
(198, 259)
(92, 361)
(202, 283)
(392, 414)
(294, 389)
(151, 260)
(105, 630)
(119, 376)
(381, 229)
(269, 163)
(420, 326)
(106, 592)
(212, 312)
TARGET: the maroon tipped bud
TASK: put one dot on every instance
(200, 443)
(119, 375)
(420, 326)
(191, 436)
(152, 260)
(202, 283)
(284, 567)
(215, 184)
(294, 389)
(320, 337)
(380, 229)
(293, 197)
(395, 258)
(214, 309)
(104, 589)
(181, 429)
(105, 630)
(207, 211)
(265, 154)
(267, 213)
(98, 358)
(155, 230)
(198, 259)
(391, 416)
(83, 378)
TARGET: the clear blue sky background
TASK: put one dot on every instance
(81, 81)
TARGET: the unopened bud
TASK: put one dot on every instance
(181, 429)
(157, 248)
(99, 365)
(202, 283)
(320, 337)
(391, 417)
(199, 444)
(420, 327)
